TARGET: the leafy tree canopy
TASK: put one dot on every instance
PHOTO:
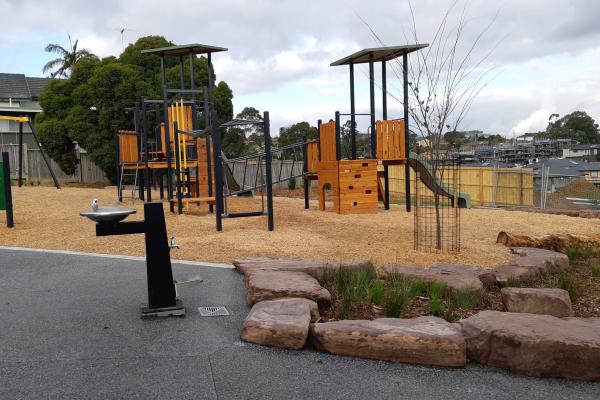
(90, 106)
(578, 126)
(297, 132)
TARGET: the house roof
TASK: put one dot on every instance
(14, 86)
(37, 85)
(563, 166)
(378, 54)
(21, 87)
(584, 147)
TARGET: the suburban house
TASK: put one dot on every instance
(588, 152)
(19, 94)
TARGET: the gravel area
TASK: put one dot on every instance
(49, 218)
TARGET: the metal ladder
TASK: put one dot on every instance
(122, 184)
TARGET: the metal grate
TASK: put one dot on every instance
(213, 311)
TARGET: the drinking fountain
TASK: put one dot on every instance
(162, 298)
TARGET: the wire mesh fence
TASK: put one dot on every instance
(436, 211)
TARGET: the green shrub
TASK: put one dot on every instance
(395, 301)
(513, 282)
(466, 299)
(377, 292)
(579, 253)
(399, 291)
(436, 307)
(569, 282)
(292, 184)
(436, 290)
(596, 271)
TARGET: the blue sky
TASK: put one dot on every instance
(545, 59)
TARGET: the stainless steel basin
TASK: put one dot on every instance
(108, 214)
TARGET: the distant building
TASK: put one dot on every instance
(587, 152)
(563, 171)
(19, 94)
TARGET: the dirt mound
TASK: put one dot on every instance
(577, 189)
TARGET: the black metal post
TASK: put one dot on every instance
(118, 158)
(305, 171)
(146, 150)
(166, 138)
(181, 81)
(207, 124)
(352, 113)
(338, 150)
(10, 222)
(384, 90)
(386, 184)
(177, 168)
(138, 132)
(268, 172)
(216, 139)
(20, 154)
(406, 130)
(44, 156)
(372, 99)
(193, 87)
(319, 122)
(161, 184)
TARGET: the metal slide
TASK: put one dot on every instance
(433, 183)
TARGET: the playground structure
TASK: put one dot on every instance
(25, 118)
(189, 157)
(356, 183)
(196, 171)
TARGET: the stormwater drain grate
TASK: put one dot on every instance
(213, 311)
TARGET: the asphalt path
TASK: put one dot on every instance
(70, 329)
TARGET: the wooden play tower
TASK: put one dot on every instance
(355, 183)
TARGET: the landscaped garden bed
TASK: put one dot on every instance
(363, 294)
(517, 316)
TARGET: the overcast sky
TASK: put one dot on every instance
(546, 53)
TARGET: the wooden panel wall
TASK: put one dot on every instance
(312, 150)
(327, 142)
(128, 147)
(390, 140)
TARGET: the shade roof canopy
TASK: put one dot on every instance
(184, 50)
(379, 54)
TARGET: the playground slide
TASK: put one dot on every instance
(434, 184)
(230, 179)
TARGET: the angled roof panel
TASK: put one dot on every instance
(379, 54)
(13, 86)
(184, 50)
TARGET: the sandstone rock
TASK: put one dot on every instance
(534, 345)
(269, 285)
(554, 242)
(422, 340)
(456, 277)
(279, 323)
(554, 302)
(311, 267)
(532, 264)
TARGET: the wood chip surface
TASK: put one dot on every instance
(49, 218)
